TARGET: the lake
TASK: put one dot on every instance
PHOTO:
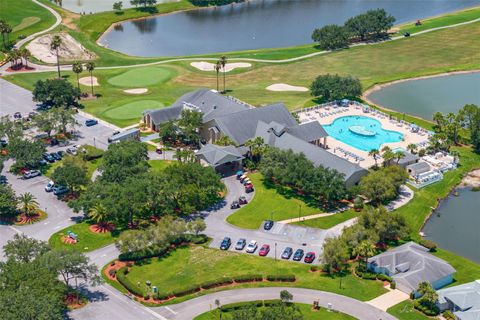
(424, 97)
(255, 24)
(92, 6)
(455, 225)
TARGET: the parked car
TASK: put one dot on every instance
(252, 246)
(72, 150)
(55, 156)
(268, 225)
(241, 243)
(54, 142)
(48, 158)
(17, 115)
(159, 150)
(242, 200)
(287, 253)
(309, 257)
(264, 250)
(31, 174)
(3, 180)
(91, 122)
(235, 205)
(49, 187)
(3, 143)
(298, 255)
(59, 190)
(61, 153)
(249, 188)
(406, 34)
(42, 162)
(226, 242)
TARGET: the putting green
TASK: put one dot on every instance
(142, 77)
(132, 110)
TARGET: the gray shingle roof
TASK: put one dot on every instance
(422, 266)
(419, 167)
(241, 126)
(465, 296)
(309, 131)
(409, 158)
(318, 155)
(218, 155)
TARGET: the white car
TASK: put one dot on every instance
(31, 174)
(73, 150)
(252, 246)
(49, 186)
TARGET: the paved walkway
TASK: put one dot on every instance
(389, 299)
(190, 309)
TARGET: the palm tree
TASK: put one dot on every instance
(99, 214)
(218, 66)
(365, 249)
(223, 62)
(399, 155)
(55, 45)
(77, 68)
(375, 154)
(25, 53)
(455, 154)
(388, 155)
(412, 148)
(184, 156)
(28, 204)
(90, 66)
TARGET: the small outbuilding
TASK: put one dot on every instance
(218, 156)
(417, 168)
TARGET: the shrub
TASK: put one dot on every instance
(216, 283)
(91, 153)
(383, 277)
(448, 315)
(149, 252)
(248, 278)
(430, 245)
(282, 277)
(241, 305)
(146, 296)
(272, 303)
(184, 292)
(163, 296)
(129, 264)
(313, 268)
(393, 285)
(131, 287)
(433, 311)
(112, 272)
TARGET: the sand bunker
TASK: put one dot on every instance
(207, 66)
(136, 91)
(285, 87)
(87, 82)
(70, 49)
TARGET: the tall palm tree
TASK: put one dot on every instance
(399, 155)
(55, 45)
(412, 148)
(90, 66)
(25, 53)
(365, 249)
(99, 214)
(388, 155)
(375, 154)
(28, 204)
(77, 68)
(218, 66)
(223, 62)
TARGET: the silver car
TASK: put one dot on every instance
(252, 246)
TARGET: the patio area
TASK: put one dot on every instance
(327, 113)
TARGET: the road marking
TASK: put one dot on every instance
(16, 230)
(169, 309)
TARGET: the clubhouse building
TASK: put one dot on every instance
(228, 116)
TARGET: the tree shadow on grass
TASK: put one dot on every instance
(150, 10)
(290, 193)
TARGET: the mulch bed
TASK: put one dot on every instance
(101, 228)
(19, 68)
(68, 240)
(24, 219)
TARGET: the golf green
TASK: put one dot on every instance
(132, 110)
(142, 77)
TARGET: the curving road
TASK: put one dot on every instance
(190, 309)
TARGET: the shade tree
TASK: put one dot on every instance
(335, 87)
(56, 93)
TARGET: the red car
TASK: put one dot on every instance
(264, 250)
(309, 257)
(249, 188)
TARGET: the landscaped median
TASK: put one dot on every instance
(271, 202)
(194, 270)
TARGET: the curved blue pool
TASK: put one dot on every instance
(363, 133)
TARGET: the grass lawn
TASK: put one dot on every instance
(430, 53)
(142, 77)
(25, 17)
(88, 240)
(159, 165)
(188, 266)
(92, 165)
(329, 221)
(132, 110)
(268, 199)
(405, 311)
(306, 309)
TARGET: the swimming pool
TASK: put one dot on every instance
(363, 133)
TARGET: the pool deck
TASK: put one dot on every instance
(353, 110)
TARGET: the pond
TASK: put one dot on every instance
(424, 97)
(93, 6)
(255, 24)
(454, 226)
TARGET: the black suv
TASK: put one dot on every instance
(268, 225)
(226, 243)
(287, 253)
(298, 255)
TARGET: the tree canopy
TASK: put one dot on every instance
(331, 37)
(335, 87)
(71, 174)
(56, 93)
(383, 184)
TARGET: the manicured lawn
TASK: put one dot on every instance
(88, 240)
(132, 110)
(440, 21)
(329, 221)
(142, 77)
(159, 165)
(188, 266)
(92, 165)
(306, 309)
(405, 311)
(270, 202)
(25, 17)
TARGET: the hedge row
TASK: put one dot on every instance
(256, 303)
(433, 311)
(122, 278)
(282, 277)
